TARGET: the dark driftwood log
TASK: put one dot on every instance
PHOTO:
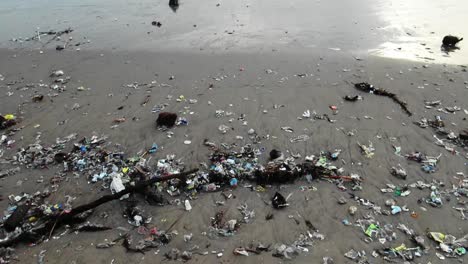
(138, 187)
(51, 223)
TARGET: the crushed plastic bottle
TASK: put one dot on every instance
(334, 155)
(153, 148)
(372, 229)
(352, 254)
(117, 186)
(435, 198)
(395, 209)
(188, 207)
(398, 172)
(233, 182)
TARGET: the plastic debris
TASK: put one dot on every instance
(188, 207)
(153, 148)
(398, 172)
(367, 151)
(241, 252)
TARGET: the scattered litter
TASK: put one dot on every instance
(243, 168)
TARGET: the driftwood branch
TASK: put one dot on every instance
(51, 223)
(365, 87)
(138, 187)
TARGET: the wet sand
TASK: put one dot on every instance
(246, 92)
(238, 65)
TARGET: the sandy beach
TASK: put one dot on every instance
(263, 68)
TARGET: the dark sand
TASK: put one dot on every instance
(113, 60)
(250, 92)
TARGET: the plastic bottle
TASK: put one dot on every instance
(396, 209)
(233, 182)
(397, 191)
(188, 207)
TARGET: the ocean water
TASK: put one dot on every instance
(410, 30)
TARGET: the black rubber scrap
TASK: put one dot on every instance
(350, 98)
(274, 154)
(16, 218)
(278, 201)
(166, 119)
(464, 134)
